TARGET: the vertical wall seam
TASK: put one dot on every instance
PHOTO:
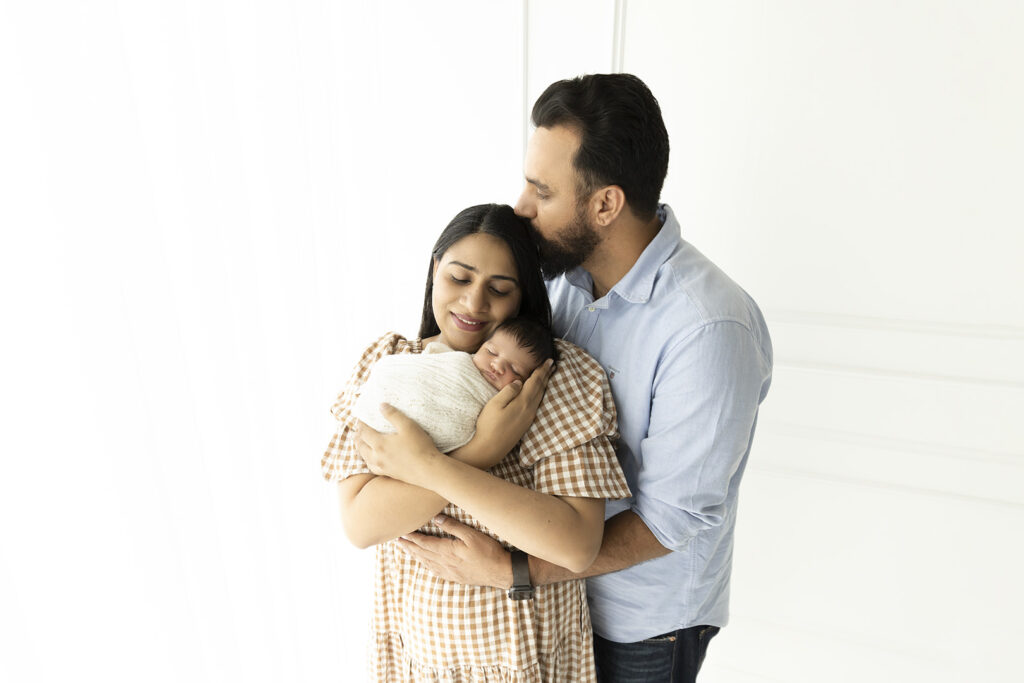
(526, 77)
(619, 36)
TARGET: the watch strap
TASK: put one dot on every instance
(521, 588)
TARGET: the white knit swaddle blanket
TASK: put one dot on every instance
(440, 389)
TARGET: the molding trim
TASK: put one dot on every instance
(926, 327)
(889, 443)
(863, 371)
(526, 77)
(793, 473)
(619, 37)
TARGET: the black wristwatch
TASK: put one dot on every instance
(521, 588)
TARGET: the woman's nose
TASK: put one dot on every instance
(476, 299)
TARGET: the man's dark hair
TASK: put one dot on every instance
(497, 220)
(534, 337)
(623, 140)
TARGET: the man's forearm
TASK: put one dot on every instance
(627, 541)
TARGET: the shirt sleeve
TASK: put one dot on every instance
(570, 444)
(341, 459)
(703, 410)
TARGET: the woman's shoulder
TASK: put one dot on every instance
(577, 405)
(579, 366)
(388, 344)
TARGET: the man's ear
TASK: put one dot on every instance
(608, 202)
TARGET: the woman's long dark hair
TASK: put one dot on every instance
(500, 221)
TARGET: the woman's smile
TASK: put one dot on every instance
(467, 323)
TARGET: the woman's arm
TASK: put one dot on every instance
(563, 530)
(375, 509)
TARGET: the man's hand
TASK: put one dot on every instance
(472, 558)
(402, 455)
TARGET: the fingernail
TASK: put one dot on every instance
(439, 520)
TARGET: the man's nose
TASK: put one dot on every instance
(524, 206)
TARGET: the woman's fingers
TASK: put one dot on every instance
(396, 417)
(536, 383)
(507, 393)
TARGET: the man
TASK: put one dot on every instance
(689, 360)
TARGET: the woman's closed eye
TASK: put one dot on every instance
(497, 291)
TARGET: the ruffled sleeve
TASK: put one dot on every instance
(341, 459)
(570, 444)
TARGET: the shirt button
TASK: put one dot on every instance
(590, 308)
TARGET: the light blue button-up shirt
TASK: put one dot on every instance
(689, 359)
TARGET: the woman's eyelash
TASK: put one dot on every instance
(465, 281)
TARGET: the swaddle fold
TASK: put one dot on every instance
(440, 389)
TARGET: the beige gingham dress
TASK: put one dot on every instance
(428, 629)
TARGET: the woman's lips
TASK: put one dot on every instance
(467, 324)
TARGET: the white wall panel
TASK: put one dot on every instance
(853, 165)
(840, 582)
(986, 354)
(208, 208)
(567, 38)
(964, 415)
(855, 157)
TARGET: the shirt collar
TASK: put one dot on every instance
(636, 285)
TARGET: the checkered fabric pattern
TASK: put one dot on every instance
(428, 629)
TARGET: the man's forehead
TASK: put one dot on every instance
(550, 152)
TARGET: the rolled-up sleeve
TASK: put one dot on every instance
(703, 409)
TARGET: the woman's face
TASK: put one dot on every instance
(476, 288)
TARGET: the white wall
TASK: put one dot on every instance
(857, 166)
(208, 208)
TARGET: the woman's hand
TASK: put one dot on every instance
(505, 419)
(402, 455)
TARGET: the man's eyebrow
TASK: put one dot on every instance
(473, 268)
(538, 184)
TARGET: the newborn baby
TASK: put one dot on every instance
(444, 390)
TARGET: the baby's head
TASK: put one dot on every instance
(513, 351)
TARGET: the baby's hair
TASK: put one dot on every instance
(533, 336)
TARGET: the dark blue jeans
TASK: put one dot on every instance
(669, 658)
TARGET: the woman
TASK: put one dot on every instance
(546, 497)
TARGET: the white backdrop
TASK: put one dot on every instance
(208, 208)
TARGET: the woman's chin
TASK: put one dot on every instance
(460, 340)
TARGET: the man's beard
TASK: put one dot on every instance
(572, 245)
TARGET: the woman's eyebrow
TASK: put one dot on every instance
(474, 269)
